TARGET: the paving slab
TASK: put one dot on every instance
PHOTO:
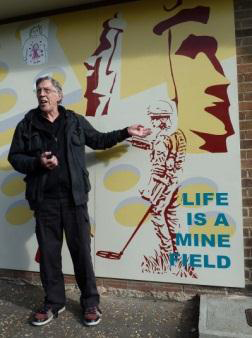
(224, 316)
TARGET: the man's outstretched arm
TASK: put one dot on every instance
(100, 140)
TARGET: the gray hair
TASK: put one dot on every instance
(54, 82)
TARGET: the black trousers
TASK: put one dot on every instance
(52, 217)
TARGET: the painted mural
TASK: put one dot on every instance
(166, 208)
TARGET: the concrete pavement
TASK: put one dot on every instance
(224, 317)
(122, 317)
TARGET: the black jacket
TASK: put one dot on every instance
(27, 146)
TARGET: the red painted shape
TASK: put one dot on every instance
(104, 42)
(139, 143)
(93, 100)
(170, 210)
(197, 14)
(213, 143)
(175, 99)
(220, 109)
(105, 109)
(193, 45)
(37, 256)
(217, 143)
(112, 87)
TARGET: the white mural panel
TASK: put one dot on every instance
(166, 208)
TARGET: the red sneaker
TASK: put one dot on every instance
(92, 316)
(45, 315)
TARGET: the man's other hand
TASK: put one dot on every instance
(48, 160)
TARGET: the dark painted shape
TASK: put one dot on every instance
(93, 80)
(193, 45)
(93, 100)
(197, 14)
(217, 143)
(178, 3)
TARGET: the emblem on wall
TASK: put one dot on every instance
(35, 44)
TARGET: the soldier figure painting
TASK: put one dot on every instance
(167, 155)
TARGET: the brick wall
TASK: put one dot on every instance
(243, 27)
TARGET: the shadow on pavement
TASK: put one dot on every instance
(190, 314)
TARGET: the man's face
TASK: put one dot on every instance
(48, 96)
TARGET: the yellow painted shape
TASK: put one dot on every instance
(191, 190)
(6, 136)
(111, 154)
(77, 107)
(144, 54)
(19, 215)
(60, 77)
(92, 230)
(3, 72)
(121, 180)
(8, 101)
(5, 165)
(14, 187)
(81, 28)
(210, 228)
(144, 66)
(191, 88)
(130, 215)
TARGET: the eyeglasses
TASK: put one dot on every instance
(46, 90)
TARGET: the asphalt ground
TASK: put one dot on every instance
(123, 317)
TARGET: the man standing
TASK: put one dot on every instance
(49, 147)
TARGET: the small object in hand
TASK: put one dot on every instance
(248, 313)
